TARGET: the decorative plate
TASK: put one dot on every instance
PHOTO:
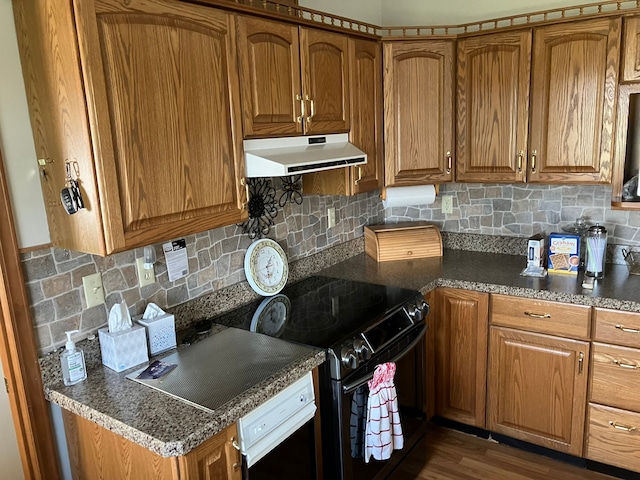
(271, 315)
(266, 267)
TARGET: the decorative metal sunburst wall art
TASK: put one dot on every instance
(262, 208)
(291, 190)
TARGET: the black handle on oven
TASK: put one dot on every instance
(351, 386)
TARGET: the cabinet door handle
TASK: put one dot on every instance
(312, 108)
(580, 362)
(630, 366)
(359, 179)
(245, 184)
(627, 330)
(302, 110)
(520, 160)
(626, 428)
(537, 315)
(449, 158)
(533, 161)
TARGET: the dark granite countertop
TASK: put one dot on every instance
(171, 427)
(159, 422)
(494, 273)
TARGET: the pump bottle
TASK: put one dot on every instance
(73, 367)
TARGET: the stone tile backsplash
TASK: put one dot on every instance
(216, 260)
(508, 213)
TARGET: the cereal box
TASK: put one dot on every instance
(564, 253)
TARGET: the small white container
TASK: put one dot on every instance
(161, 332)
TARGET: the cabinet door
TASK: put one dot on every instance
(418, 112)
(172, 98)
(573, 93)
(216, 459)
(461, 330)
(538, 388)
(493, 107)
(631, 50)
(269, 58)
(324, 57)
(366, 127)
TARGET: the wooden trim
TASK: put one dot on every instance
(29, 407)
(35, 248)
(542, 17)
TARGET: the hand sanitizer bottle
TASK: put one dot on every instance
(72, 359)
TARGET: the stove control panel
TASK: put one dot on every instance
(417, 310)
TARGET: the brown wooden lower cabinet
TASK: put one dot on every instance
(537, 388)
(613, 436)
(97, 453)
(461, 324)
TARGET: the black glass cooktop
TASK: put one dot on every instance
(318, 311)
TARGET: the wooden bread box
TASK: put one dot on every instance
(402, 241)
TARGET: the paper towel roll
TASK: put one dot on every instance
(407, 196)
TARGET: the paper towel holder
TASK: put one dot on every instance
(383, 192)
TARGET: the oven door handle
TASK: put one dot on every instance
(351, 386)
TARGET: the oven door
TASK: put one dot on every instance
(350, 400)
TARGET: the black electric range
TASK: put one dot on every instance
(353, 320)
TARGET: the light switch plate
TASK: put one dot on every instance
(145, 276)
(447, 204)
(93, 289)
(331, 217)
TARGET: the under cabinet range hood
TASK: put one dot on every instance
(279, 157)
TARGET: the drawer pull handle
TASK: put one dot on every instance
(622, 427)
(627, 329)
(537, 315)
(626, 365)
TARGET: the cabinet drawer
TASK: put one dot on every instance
(614, 326)
(541, 316)
(615, 376)
(613, 437)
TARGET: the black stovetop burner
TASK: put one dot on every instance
(319, 311)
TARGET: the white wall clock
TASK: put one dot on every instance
(266, 267)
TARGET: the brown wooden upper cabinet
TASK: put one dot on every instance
(493, 107)
(294, 80)
(572, 97)
(418, 112)
(141, 98)
(366, 126)
(631, 50)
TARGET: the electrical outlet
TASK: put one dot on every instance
(145, 276)
(447, 204)
(93, 290)
(331, 217)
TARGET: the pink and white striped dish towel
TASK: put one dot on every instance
(383, 431)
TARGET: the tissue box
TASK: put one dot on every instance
(161, 332)
(125, 349)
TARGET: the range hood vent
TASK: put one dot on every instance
(279, 157)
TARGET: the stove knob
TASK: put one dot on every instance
(361, 349)
(349, 358)
(414, 312)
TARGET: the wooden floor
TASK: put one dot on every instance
(446, 454)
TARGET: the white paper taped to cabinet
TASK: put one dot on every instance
(409, 196)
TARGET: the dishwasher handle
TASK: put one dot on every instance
(358, 382)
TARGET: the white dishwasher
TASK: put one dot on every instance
(270, 424)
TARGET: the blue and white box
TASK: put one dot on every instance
(124, 349)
